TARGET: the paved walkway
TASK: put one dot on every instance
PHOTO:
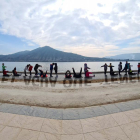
(109, 122)
(71, 113)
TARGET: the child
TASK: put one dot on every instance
(5, 73)
(15, 72)
(36, 69)
(3, 67)
(112, 73)
(68, 74)
(30, 69)
(51, 69)
(105, 68)
(120, 67)
(85, 68)
(77, 75)
(26, 68)
(130, 72)
(55, 68)
(42, 74)
(89, 74)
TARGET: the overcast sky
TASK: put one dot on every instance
(87, 27)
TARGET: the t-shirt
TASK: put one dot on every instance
(51, 67)
(119, 66)
(3, 67)
(30, 68)
(26, 68)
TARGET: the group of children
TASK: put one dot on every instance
(127, 68)
(29, 68)
(79, 75)
(42, 74)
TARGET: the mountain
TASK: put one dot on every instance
(47, 54)
(131, 56)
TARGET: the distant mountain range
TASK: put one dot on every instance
(48, 54)
(131, 56)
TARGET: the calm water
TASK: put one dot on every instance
(63, 66)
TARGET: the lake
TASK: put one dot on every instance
(63, 66)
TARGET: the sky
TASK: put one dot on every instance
(87, 27)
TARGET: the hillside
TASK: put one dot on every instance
(47, 54)
(131, 56)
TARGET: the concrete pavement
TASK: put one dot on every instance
(120, 122)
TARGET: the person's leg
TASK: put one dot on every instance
(25, 72)
(74, 74)
(36, 72)
(78, 75)
(50, 73)
(30, 73)
(56, 72)
(126, 71)
(138, 70)
(6, 75)
(81, 71)
(105, 72)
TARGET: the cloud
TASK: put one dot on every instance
(100, 5)
(77, 26)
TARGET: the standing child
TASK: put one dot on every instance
(26, 68)
(36, 69)
(126, 67)
(138, 68)
(30, 69)
(3, 67)
(55, 68)
(120, 67)
(105, 68)
(51, 69)
(86, 68)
